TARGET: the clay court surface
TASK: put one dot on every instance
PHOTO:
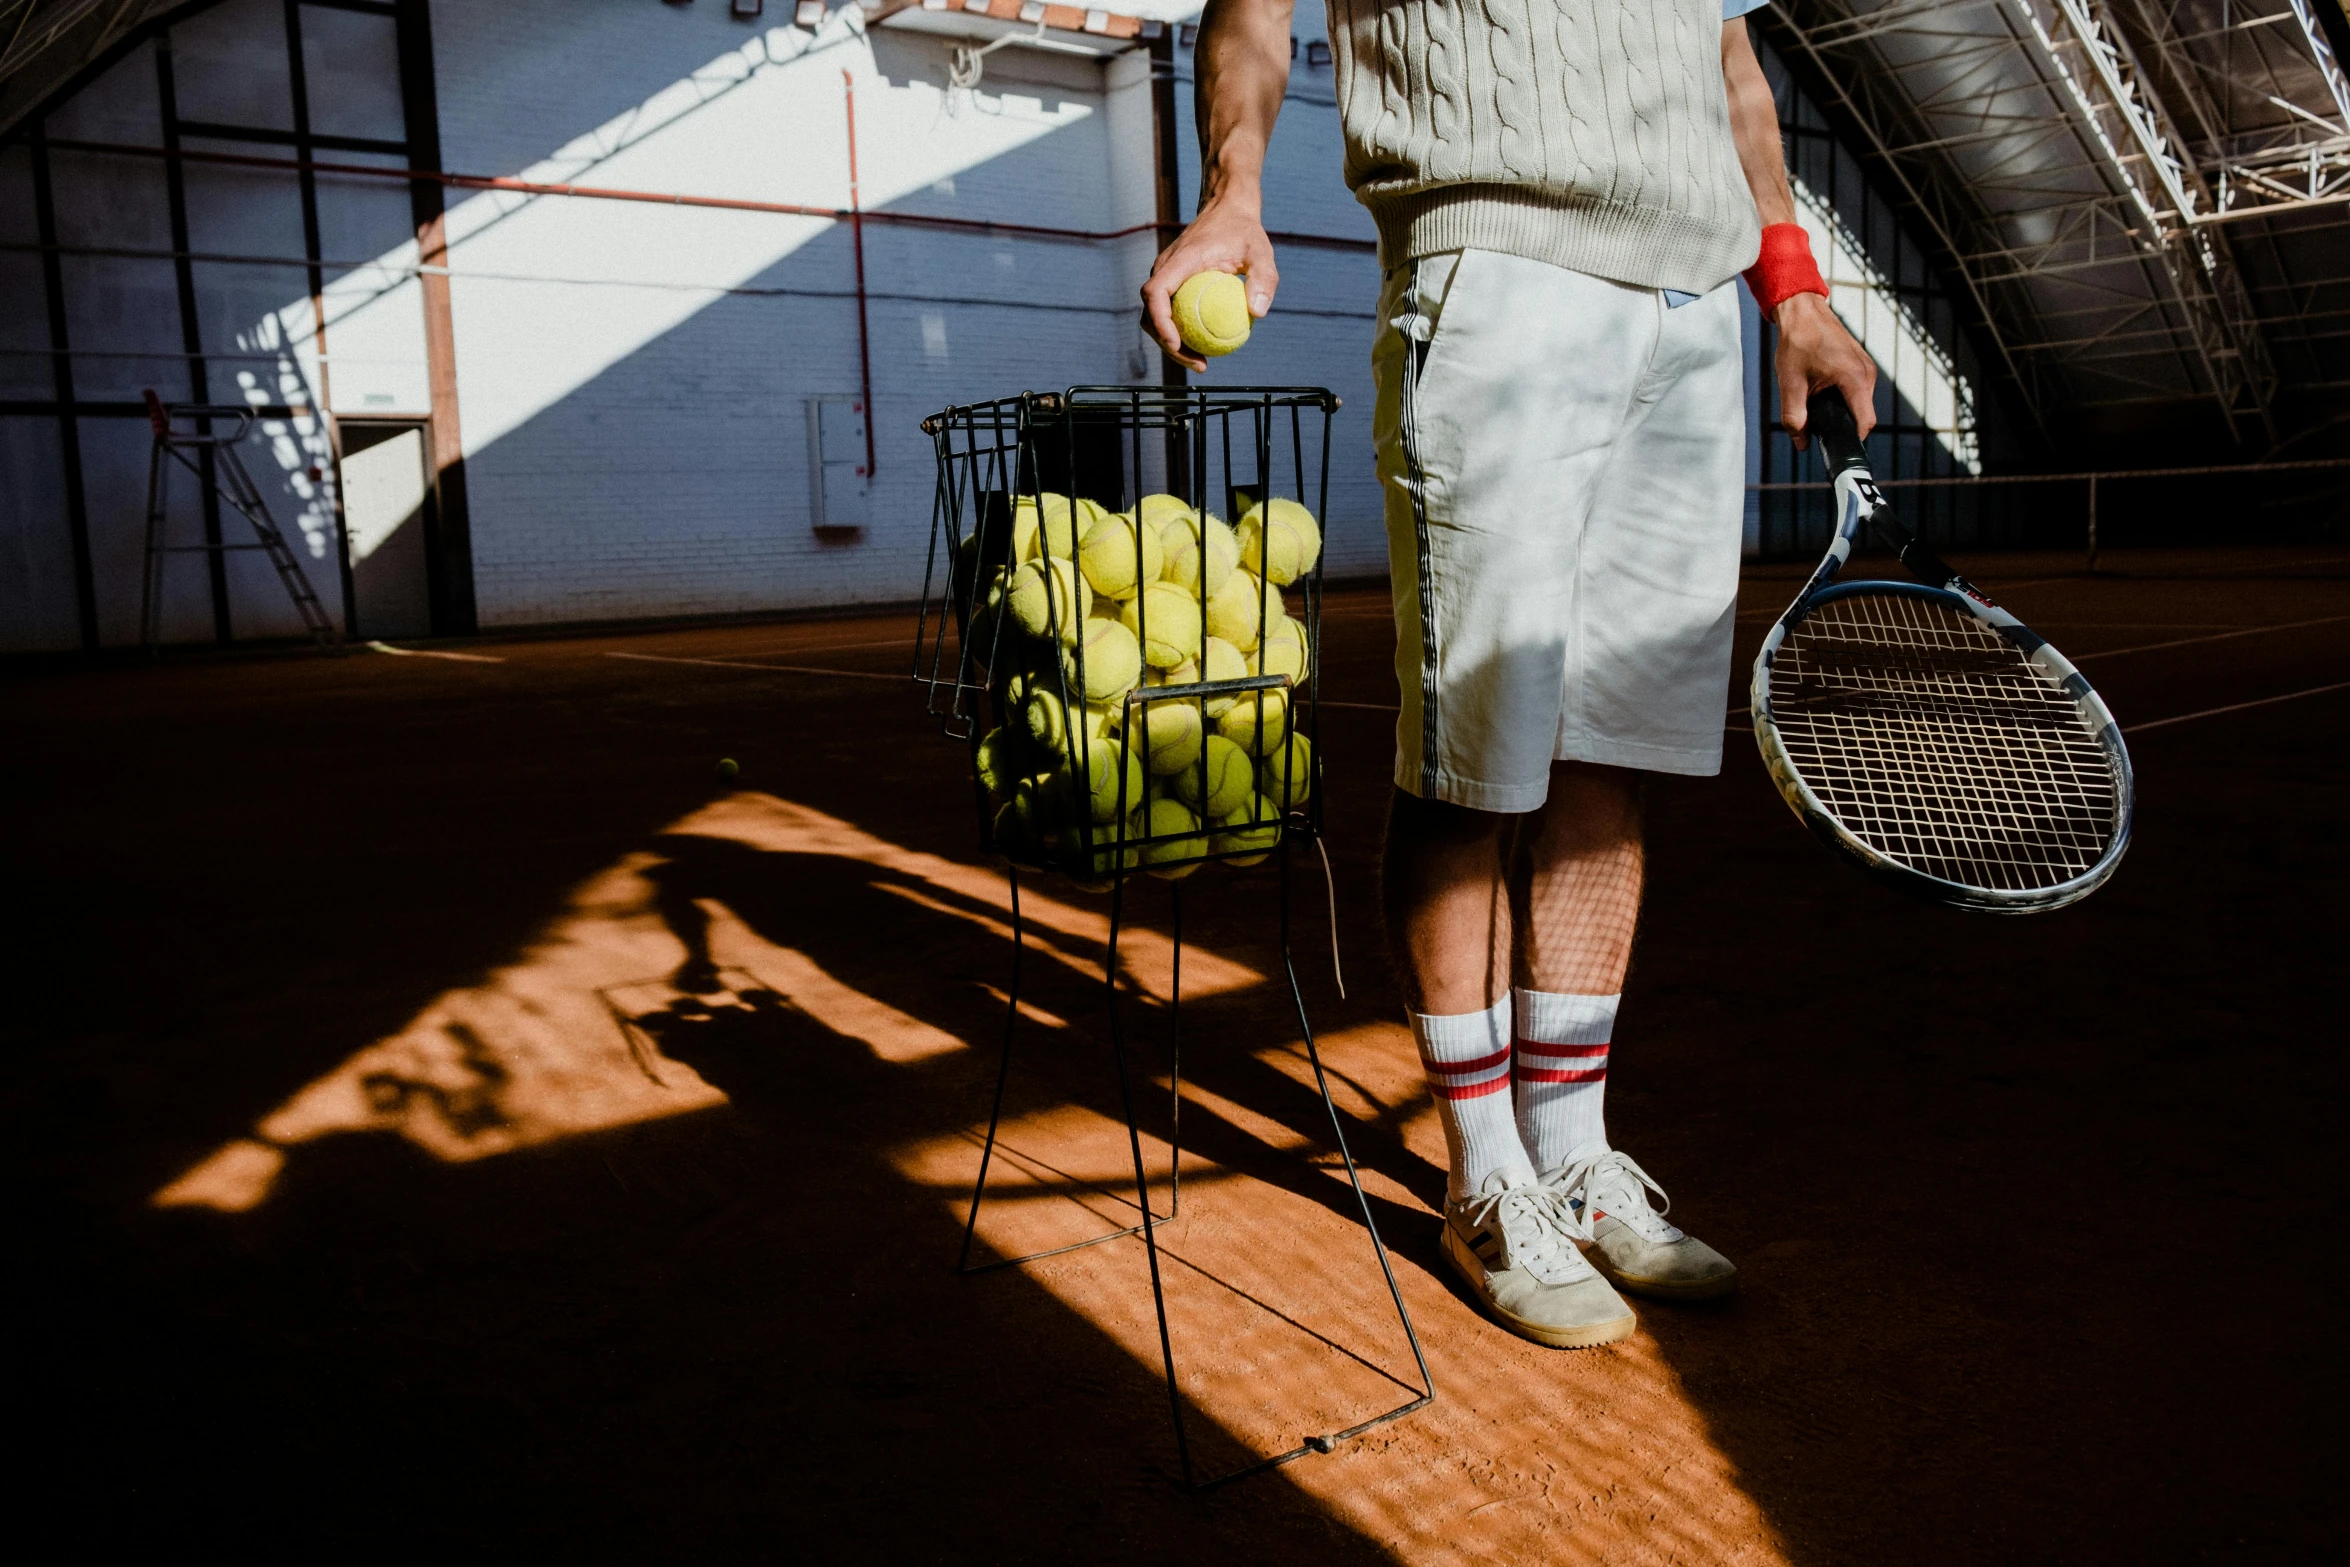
(444, 1115)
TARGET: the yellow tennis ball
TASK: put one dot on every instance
(1166, 621)
(1244, 610)
(1219, 782)
(1156, 511)
(1183, 674)
(1170, 735)
(1109, 769)
(1048, 598)
(1220, 660)
(1286, 775)
(1047, 717)
(998, 761)
(1255, 825)
(1113, 660)
(1283, 652)
(1279, 541)
(1211, 312)
(1054, 524)
(1119, 559)
(1201, 553)
(1179, 859)
(1113, 850)
(1256, 721)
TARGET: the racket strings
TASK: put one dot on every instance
(1931, 738)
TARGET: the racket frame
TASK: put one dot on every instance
(1858, 500)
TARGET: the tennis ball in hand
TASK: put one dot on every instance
(1117, 558)
(1256, 825)
(1244, 610)
(1217, 784)
(1279, 541)
(1168, 737)
(1166, 621)
(1173, 861)
(1113, 660)
(1048, 598)
(1286, 775)
(1211, 313)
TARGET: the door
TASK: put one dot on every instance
(387, 521)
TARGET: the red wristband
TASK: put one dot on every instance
(1785, 268)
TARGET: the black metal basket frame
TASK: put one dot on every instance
(988, 454)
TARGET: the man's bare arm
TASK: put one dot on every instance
(1814, 348)
(1242, 65)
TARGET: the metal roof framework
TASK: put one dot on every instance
(2147, 201)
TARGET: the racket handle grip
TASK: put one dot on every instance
(1838, 432)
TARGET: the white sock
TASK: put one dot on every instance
(1467, 1059)
(1562, 1046)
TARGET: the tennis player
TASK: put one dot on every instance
(1564, 190)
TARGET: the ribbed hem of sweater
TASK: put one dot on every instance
(1650, 247)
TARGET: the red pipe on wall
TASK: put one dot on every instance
(857, 240)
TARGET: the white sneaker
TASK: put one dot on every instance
(1512, 1242)
(1606, 1199)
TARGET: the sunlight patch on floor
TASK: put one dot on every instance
(565, 1040)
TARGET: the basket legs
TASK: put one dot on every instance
(1192, 1481)
(995, 1114)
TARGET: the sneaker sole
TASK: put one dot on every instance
(1589, 1336)
(1661, 1289)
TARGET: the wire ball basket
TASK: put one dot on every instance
(1134, 674)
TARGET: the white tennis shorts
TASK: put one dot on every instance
(1563, 462)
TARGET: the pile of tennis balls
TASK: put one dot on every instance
(1092, 604)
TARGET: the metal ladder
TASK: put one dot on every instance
(231, 482)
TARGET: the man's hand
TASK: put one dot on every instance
(1243, 68)
(1816, 351)
(1227, 236)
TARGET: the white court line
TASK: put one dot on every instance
(2217, 636)
(837, 647)
(425, 652)
(784, 669)
(2236, 707)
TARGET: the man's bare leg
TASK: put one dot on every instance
(1447, 904)
(1577, 878)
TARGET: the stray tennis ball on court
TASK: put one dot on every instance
(1049, 598)
(1219, 782)
(1172, 861)
(1113, 660)
(1166, 621)
(1244, 609)
(1119, 559)
(1169, 737)
(1201, 552)
(1279, 541)
(1211, 313)
(1256, 826)
(728, 767)
(1108, 770)
(1286, 775)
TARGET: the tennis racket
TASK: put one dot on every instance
(1928, 733)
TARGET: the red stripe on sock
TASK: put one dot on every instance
(1538, 1048)
(1456, 1068)
(1472, 1091)
(1594, 1074)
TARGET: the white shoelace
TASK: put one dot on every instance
(1611, 1185)
(1536, 1231)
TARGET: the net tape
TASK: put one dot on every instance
(1932, 739)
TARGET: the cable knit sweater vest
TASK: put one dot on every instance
(1592, 134)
